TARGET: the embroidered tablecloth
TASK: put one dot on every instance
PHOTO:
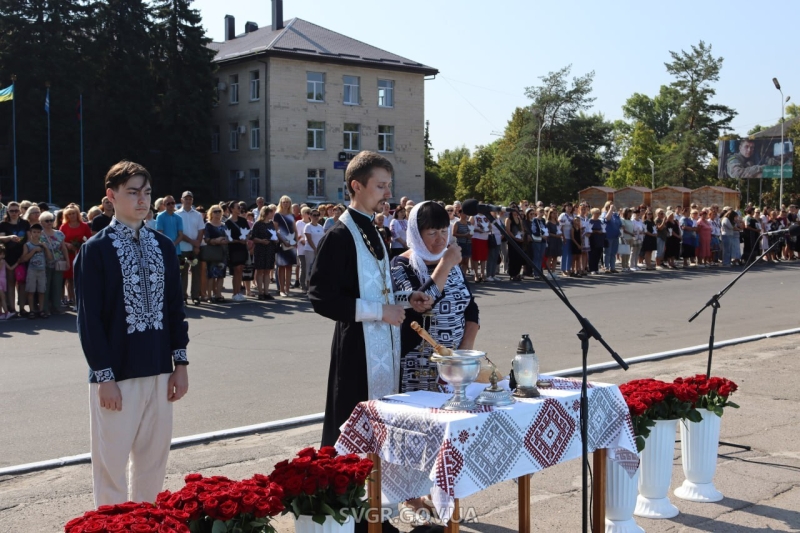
(452, 454)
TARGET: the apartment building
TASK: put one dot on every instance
(294, 96)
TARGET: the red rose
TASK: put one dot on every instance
(307, 452)
(192, 477)
(328, 451)
(301, 462)
(310, 486)
(93, 526)
(227, 510)
(340, 483)
(637, 408)
(142, 528)
(193, 509)
(249, 501)
(293, 485)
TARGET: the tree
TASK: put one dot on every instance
(448, 163)
(656, 113)
(516, 177)
(699, 122)
(634, 168)
(556, 100)
(185, 96)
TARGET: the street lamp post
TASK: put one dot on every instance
(538, 113)
(783, 107)
(652, 172)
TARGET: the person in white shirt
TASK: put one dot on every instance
(313, 233)
(257, 211)
(398, 228)
(387, 215)
(303, 272)
(191, 241)
(565, 224)
(480, 246)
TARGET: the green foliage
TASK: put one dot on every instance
(634, 168)
(144, 72)
(446, 178)
(436, 187)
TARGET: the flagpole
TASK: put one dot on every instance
(49, 171)
(83, 206)
(14, 129)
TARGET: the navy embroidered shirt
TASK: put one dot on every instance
(131, 320)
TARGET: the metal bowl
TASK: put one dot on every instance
(459, 370)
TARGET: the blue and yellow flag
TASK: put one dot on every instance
(7, 94)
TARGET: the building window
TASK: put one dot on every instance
(385, 93)
(351, 96)
(233, 183)
(316, 135)
(352, 137)
(255, 183)
(316, 183)
(315, 86)
(214, 139)
(216, 92)
(255, 88)
(234, 88)
(386, 138)
(234, 137)
(255, 135)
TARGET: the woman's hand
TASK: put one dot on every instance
(452, 256)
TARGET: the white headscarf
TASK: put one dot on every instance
(419, 252)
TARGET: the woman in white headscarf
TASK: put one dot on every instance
(431, 266)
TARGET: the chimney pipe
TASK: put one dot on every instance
(250, 26)
(277, 15)
(230, 27)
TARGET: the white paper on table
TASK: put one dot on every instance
(420, 398)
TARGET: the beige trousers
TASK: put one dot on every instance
(130, 447)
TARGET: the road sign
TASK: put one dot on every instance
(340, 165)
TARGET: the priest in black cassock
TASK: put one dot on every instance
(351, 284)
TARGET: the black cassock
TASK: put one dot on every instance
(333, 290)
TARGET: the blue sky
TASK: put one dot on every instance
(487, 52)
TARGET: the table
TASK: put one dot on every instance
(421, 449)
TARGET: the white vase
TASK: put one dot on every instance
(699, 443)
(621, 491)
(304, 524)
(655, 472)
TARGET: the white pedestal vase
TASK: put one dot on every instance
(304, 524)
(699, 443)
(655, 472)
(621, 490)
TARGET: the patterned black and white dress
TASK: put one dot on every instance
(453, 308)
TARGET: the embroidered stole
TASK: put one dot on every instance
(381, 341)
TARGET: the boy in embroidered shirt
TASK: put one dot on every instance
(133, 331)
(36, 254)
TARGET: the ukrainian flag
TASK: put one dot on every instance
(7, 94)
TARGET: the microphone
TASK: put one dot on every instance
(793, 231)
(471, 207)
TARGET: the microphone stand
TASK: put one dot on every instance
(587, 332)
(714, 304)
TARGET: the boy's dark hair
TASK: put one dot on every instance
(431, 215)
(36, 227)
(361, 166)
(120, 173)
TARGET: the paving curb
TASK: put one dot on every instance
(277, 425)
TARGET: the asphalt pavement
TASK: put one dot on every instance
(761, 486)
(255, 362)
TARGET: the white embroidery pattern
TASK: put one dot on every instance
(179, 355)
(381, 341)
(101, 376)
(142, 276)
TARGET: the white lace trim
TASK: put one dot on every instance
(101, 376)
(381, 341)
(142, 267)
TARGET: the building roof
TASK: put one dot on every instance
(717, 188)
(599, 188)
(635, 188)
(674, 187)
(775, 131)
(300, 39)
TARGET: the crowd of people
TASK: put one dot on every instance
(265, 245)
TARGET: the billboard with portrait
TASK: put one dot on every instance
(755, 158)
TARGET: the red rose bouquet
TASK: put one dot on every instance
(130, 517)
(322, 483)
(218, 504)
(712, 393)
(650, 400)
